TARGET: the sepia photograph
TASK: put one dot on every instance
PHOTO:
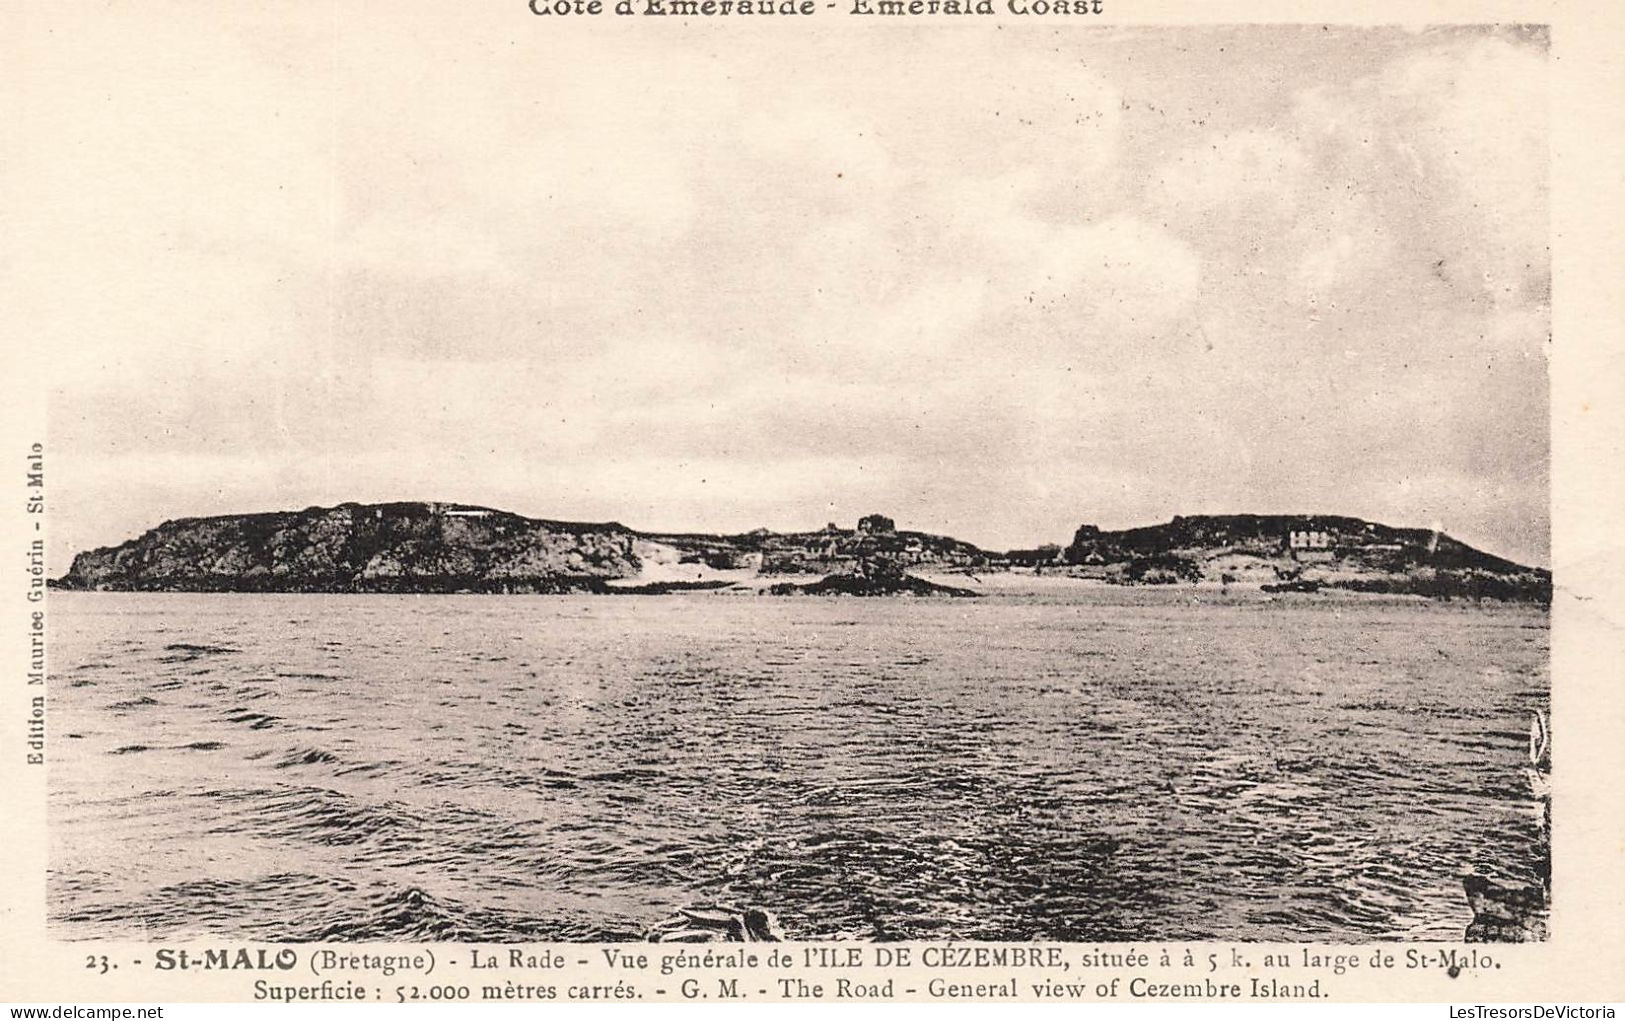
(980, 481)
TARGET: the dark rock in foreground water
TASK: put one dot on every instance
(870, 585)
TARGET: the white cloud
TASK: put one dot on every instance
(837, 279)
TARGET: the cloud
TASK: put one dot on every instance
(1055, 284)
(1466, 181)
(1234, 183)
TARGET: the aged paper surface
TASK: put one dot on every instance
(1324, 292)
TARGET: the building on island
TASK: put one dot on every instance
(1309, 544)
(876, 524)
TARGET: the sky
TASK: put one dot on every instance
(994, 281)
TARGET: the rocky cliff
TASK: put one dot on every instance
(397, 547)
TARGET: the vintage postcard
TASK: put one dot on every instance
(932, 500)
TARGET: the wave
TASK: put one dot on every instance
(185, 652)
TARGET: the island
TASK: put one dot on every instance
(433, 547)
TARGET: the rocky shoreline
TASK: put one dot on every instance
(447, 547)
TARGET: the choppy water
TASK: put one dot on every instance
(1125, 765)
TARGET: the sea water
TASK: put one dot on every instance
(1110, 764)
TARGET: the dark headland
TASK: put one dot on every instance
(447, 547)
